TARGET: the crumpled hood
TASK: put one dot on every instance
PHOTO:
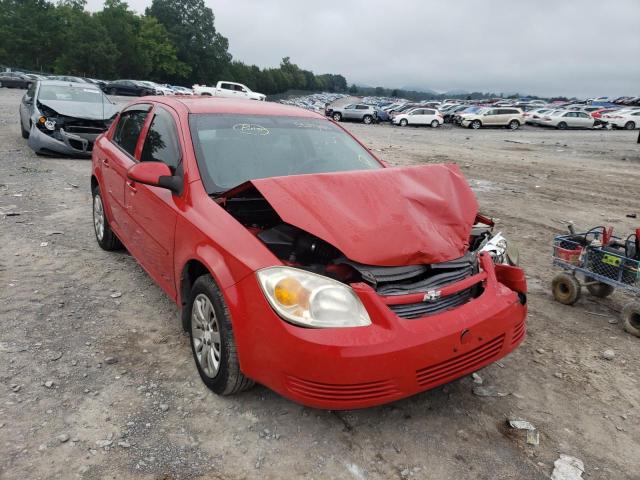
(386, 217)
(84, 110)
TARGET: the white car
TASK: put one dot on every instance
(159, 89)
(562, 119)
(627, 119)
(419, 116)
(228, 90)
(532, 117)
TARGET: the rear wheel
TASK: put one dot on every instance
(598, 289)
(435, 124)
(476, 124)
(514, 124)
(212, 342)
(337, 117)
(104, 235)
(404, 122)
(367, 119)
(629, 126)
(562, 126)
(565, 288)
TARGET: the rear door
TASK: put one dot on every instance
(153, 210)
(116, 156)
(225, 90)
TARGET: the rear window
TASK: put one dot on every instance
(231, 149)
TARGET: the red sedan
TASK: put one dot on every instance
(298, 260)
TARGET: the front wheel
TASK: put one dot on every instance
(337, 117)
(367, 119)
(212, 342)
(629, 126)
(404, 122)
(435, 124)
(104, 235)
(565, 288)
(514, 124)
(476, 124)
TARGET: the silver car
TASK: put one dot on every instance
(355, 111)
(65, 118)
(562, 120)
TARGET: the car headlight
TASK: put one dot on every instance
(501, 250)
(311, 300)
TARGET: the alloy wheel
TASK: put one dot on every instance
(205, 334)
(98, 217)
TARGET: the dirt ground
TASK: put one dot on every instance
(97, 379)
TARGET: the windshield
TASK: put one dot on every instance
(71, 94)
(231, 149)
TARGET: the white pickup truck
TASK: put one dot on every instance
(228, 90)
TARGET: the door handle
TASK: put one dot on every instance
(132, 186)
(105, 162)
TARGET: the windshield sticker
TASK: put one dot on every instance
(251, 129)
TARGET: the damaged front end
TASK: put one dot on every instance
(55, 133)
(416, 269)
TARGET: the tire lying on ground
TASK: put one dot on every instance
(631, 318)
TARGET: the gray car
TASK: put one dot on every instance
(355, 111)
(64, 117)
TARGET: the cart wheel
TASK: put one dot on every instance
(565, 288)
(631, 318)
(599, 289)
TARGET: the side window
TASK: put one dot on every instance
(161, 144)
(226, 86)
(31, 91)
(238, 88)
(429, 112)
(362, 107)
(129, 127)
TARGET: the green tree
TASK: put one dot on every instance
(156, 54)
(191, 28)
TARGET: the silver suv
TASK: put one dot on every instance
(355, 111)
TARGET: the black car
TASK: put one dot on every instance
(127, 87)
(14, 80)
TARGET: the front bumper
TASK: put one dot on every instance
(365, 366)
(61, 142)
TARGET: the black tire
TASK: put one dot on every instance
(367, 119)
(404, 122)
(25, 133)
(109, 241)
(514, 124)
(476, 124)
(599, 289)
(337, 117)
(631, 318)
(435, 123)
(562, 126)
(630, 126)
(228, 379)
(565, 288)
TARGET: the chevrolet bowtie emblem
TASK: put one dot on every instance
(431, 296)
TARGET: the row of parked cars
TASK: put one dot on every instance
(115, 87)
(595, 113)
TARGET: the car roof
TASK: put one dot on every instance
(68, 84)
(198, 105)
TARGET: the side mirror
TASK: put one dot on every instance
(156, 174)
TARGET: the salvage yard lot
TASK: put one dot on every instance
(98, 380)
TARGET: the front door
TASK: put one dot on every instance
(153, 210)
(116, 156)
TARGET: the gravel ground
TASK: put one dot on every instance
(97, 379)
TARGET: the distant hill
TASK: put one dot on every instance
(417, 88)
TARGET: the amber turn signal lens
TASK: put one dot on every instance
(288, 292)
(42, 119)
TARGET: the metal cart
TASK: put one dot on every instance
(600, 262)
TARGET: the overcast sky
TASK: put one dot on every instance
(545, 47)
